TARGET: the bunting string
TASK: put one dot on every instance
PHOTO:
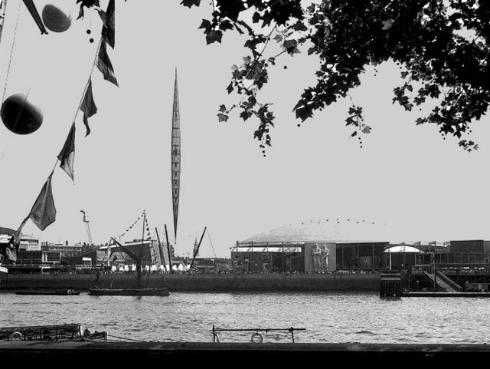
(43, 212)
(100, 48)
(130, 227)
(148, 234)
(88, 84)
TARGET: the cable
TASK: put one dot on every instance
(209, 237)
(11, 48)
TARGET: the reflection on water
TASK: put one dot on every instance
(332, 317)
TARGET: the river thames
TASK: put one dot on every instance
(327, 317)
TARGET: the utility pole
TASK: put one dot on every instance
(87, 226)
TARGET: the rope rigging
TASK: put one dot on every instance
(12, 48)
(212, 247)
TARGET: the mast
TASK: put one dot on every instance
(176, 156)
(168, 251)
(196, 251)
(160, 249)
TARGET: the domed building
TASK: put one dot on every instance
(315, 246)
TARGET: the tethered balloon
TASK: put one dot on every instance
(55, 19)
(20, 116)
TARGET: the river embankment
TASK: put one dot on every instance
(200, 282)
(198, 352)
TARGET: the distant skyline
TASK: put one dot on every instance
(405, 176)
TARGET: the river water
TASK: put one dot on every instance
(327, 317)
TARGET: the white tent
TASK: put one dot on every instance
(403, 248)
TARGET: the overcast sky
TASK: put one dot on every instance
(405, 177)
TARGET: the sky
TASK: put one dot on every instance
(406, 177)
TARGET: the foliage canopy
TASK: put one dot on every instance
(441, 47)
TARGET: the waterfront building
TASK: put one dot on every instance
(211, 265)
(470, 246)
(58, 253)
(318, 246)
(29, 252)
(465, 252)
(29, 243)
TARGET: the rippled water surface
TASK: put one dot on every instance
(332, 317)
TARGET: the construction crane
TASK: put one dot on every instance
(87, 226)
(196, 249)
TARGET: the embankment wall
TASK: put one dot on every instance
(200, 282)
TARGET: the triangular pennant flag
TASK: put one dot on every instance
(67, 154)
(104, 64)
(109, 30)
(88, 106)
(43, 212)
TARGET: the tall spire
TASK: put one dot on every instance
(175, 157)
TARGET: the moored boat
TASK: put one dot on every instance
(129, 291)
(65, 291)
(50, 333)
(136, 255)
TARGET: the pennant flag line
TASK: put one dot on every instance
(109, 28)
(88, 106)
(104, 64)
(67, 154)
(43, 212)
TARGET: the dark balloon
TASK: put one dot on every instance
(55, 19)
(20, 116)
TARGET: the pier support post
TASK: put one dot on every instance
(390, 285)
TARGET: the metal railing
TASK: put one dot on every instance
(256, 337)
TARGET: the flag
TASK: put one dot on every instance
(88, 106)
(67, 154)
(104, 64)
(43, 212)
(109, 30)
